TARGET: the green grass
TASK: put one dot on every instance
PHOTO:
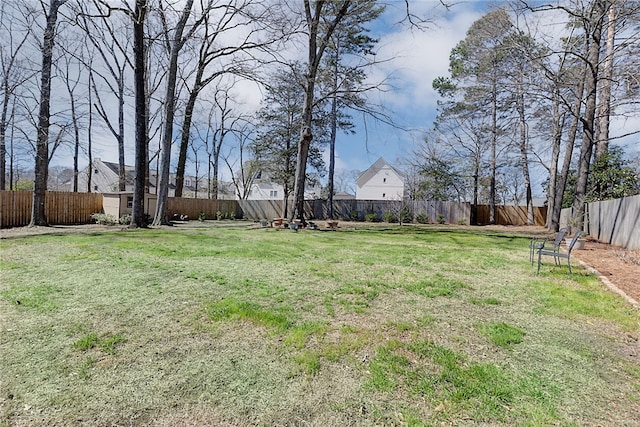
(502, 334)
(384, 325)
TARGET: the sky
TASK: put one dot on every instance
(418, 57)
(415, 58)
(410, 60)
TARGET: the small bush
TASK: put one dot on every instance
(389, 217)
(202, 216)
(441, 219)
(104, 219)
(422, 218)
(220, 216)
(354, 216)
(372, 217)
(406, 215)
(125, 219)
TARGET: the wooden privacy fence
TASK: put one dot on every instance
(512, 215)
(210, 207)
(61, 207)
(76, 208)
(616, 222)
(448, 212)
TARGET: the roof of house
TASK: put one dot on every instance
(376, 167)
(129, 171)
(343, 195)
(130, 176)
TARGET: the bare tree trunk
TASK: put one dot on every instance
(553, 167)
(476, 178)
(76, 145)
(71, 86)
(38, 213)
(568, 154)
(122, 176)
(494, 143)
(524, 156)
(605, 79)
(571, 141)
(314, 55)
(3, 132)
(13, 109)
(137, 216)
(90, 136)
(332, 141)
(161, 215)
(588, 121)
(184, 138)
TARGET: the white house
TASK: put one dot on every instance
(263, 187)
(104, 179)
(380, 182)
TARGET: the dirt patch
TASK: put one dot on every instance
(620, 266)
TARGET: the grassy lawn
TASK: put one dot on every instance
(240, 326)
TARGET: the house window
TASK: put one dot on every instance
(384, 179)
(273, 193)
(129, 202)
(187, 182)
(95, 171)
(95, 188)
(384, 195)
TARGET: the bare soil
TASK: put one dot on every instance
(621, 267)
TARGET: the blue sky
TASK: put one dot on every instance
(416, 57)
(412, 58)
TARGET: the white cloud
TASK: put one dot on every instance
(418, 57)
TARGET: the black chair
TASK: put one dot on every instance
(537, 244)
(557, 254)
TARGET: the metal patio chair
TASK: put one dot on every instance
(537, 244)
(557, 254)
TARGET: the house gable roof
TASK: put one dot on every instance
(376, 167)
(129, 171)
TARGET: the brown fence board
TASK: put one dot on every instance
(61, 208)
(512, 215)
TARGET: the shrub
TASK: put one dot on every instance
(202, 216)
(389, 217)
(440, 219)
(104, 219)
(125, 219)
(354, 216)
(422, 218)
(219, 215)
(406, 215)
(372, 217)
